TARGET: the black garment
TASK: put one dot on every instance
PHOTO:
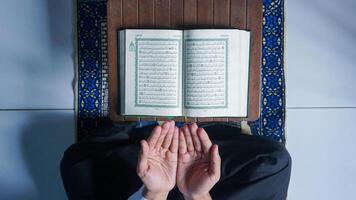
(104, 165)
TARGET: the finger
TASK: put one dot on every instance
(165, 128)
(174, 145)
(215, 163)
(204, 140)
(188, 139)
(142, 164)
(193, 130)
(182, 143)
(168, 140)
(153, 138)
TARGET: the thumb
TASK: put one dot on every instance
(215, 163)
(142, 164)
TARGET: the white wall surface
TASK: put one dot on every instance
(322, 145)
(36, 54)
(321, 53)
(321, 98)
(36, 98)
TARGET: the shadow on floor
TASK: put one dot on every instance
(43, 142)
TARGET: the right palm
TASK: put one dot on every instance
(157, 163)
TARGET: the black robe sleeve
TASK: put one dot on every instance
(103, 166)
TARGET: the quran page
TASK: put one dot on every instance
(151, 72)
(216, 71)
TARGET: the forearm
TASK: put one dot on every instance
(149, 195)
(198, 197)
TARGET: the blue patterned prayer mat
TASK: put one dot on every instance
(92, 97)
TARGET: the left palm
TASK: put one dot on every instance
(157, 163)
(198, 162)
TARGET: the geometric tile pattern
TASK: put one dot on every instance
(272, 118)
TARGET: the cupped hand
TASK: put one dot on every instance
(199, 163)
(157, 164)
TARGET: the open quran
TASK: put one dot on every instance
(192, 73)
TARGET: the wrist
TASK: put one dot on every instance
(150, 195)
(205, 196)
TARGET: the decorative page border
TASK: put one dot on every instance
(179, 72)
(225, 68)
